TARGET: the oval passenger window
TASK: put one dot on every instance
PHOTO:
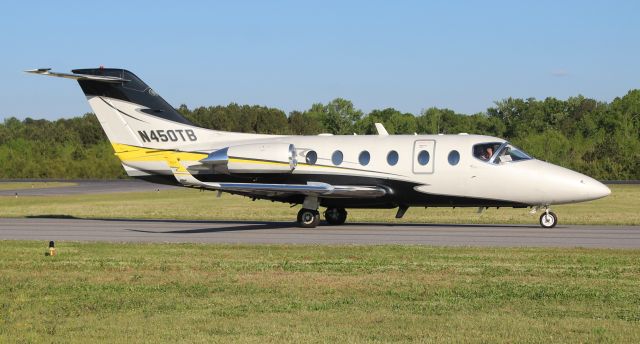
(392, 158)
(311, 157)
(364, 158)
(423, 157)
(454, 157)
(336, 157)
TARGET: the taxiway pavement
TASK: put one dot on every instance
(248, 232)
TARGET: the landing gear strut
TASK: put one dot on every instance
(548, 219)
(335, 216)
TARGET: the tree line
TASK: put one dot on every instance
(597, 138)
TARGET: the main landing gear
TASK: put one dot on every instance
(335, 216)
(309, 216)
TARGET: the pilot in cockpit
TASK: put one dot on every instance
(487, 154)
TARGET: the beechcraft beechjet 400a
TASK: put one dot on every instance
(155, 143)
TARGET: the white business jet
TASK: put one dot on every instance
(155, 143)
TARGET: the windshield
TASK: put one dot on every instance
(499, 152)
(510, 153)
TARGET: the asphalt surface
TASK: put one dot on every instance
(89, 187)
(286, 232)
(112, 230)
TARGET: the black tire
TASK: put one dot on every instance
(335, 216)
(308, 218)
(548, 220)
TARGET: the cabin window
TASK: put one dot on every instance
(454, 157)
(336, 157)
(392, 158)
(423, 157)
(311, 157)
(364, 158)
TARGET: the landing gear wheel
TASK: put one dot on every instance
(335, 216)
(548, 219)
(308, 218)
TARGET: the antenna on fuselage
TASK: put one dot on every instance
(381, 130)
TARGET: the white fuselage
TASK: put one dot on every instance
(529, 182)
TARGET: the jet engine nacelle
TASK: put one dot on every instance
(254, 158)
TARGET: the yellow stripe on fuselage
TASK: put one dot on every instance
(133, 153)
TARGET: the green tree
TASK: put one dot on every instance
(597, 138)
(339, 116)
(305, 123)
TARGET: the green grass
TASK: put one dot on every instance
(32, 185)
(220, 293)
(620, 208)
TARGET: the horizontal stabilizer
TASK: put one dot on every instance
(101, 78)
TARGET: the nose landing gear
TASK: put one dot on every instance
(548, 219)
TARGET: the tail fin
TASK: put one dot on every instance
(146, 132)
(130, 112)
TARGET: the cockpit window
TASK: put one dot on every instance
(509, 153)
(499, 152)
(486, 151)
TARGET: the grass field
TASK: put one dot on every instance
(31, 185)
(100, 292)
(220, 293)
(621, 208)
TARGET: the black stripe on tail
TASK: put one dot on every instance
(134, 90)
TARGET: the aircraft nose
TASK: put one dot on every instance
(595, 189)
(560, 185)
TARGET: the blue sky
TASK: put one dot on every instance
(410, 55)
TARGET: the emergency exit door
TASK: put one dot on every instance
(424, 156)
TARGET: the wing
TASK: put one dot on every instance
(184, 177)
(310, 189)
